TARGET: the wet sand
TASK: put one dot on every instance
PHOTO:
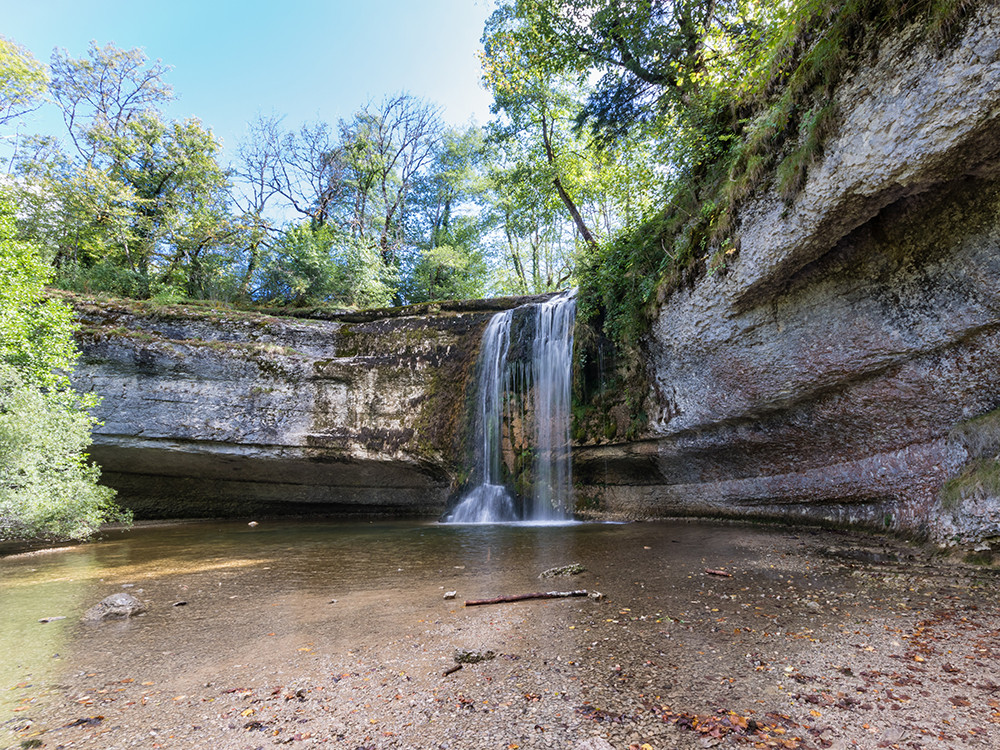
(304, 635)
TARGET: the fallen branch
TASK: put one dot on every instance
(713, 572)
(451, 670)
(523, 597)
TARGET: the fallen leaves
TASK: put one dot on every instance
(735, 727)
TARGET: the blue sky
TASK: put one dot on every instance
(304, 59)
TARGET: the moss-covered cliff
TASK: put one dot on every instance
(819, 373)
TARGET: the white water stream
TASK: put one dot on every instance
(544, 380)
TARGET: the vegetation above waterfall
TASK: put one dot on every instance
(625, 135)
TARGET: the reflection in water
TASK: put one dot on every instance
(33, 587)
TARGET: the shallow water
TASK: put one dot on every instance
(241, 583)
(355, 612)
(238, 580)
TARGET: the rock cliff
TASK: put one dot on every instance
(832, 370)
(210, 413)
(843, 367)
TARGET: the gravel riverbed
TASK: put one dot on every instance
(706, 636)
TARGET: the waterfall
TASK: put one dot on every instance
(489, 501)
(552, 376)
(527, 388)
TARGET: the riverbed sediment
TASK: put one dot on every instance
(707, 635)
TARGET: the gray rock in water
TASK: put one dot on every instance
(573, 569)
(115, 607)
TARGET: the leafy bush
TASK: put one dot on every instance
(47, 488)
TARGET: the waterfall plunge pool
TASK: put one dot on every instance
(340, 633)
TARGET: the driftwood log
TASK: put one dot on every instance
(524, 597)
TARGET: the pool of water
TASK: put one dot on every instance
(239, 582)
(240, 608)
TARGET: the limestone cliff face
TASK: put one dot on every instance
(826, 373)
(219, 413)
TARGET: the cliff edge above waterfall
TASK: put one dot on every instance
(214, 412)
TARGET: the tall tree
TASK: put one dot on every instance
(447, 220)
(47, 487)
(388, 147)
(22, 81)
(102, 93)
(140, 203)
(536, 91)
(256, 189)
(659, 62)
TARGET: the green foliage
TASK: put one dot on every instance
(37, 333)
(318, 265)
(47, 488)
(447, 272)
(22, 81)
(761, 111)
(142, 204)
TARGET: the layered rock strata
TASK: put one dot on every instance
(212, 413)
(824, 374)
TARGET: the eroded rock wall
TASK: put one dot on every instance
(821, 375)
(212, 413)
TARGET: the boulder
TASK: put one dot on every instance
(115, 607)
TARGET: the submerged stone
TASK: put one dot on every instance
(465, 656)
(115, 607)
(563, 571)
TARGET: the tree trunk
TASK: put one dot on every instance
(574, 212)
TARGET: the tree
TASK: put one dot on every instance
(256, 169)
(537, 92)
(356, 184)
(141, 207)
(447, 221)
(22, 81)
(310, 265)
(447, 272)
(306, 168)
(99, 95)
(536, 241)
(47, 487)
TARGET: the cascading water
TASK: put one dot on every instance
(489, 501)
(551, 381)
(533, 387)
